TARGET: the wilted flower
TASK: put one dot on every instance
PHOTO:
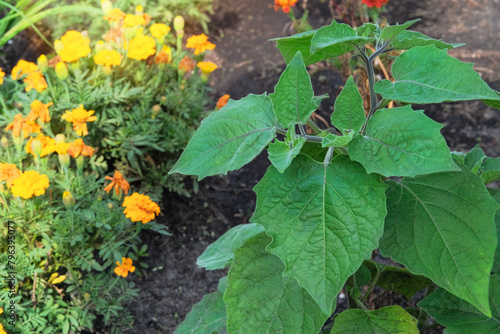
(48, 145)
(159, 30)
(30, 183)
(118, 182)
(141, 47)
(376, 3)
(164, 56)
(39, 110)
(139, 207)
(124, 268)
(107, 58)
(186, 64)
(75, 46)
(35, 80)
(8, 173)
(78, 147)
(79, 117)
(222, 101)
(199, 43)
(23, 67)
(284, 4)
(133, 20)
(19, 124)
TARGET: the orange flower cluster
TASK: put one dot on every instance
(199, 43)
(78, 147)
(125, 267)
(139, 207)
(118, 182)
(34, 78)
(79, 117)
(8, 173)
(20, 124)
(376, 3)
(39, 110)
(284, 5)
(30, 183)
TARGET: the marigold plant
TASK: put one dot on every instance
(199, 43)
(125, 267)
(139, 207)
(30, 183)
(75, 46)
(79, 117)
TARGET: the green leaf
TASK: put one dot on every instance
(402, 281)
(490, 170)
(206, 317)
(293, 95)
(324, 220)
(281, 153)
(474, 159)
(495, 193)
(390, 319)
(460, 317)
(259, 299)
(220, 254)
(349, 113)
(409, 39)
(426, 74)
(367, 29)
(337, 35)
(332, 140)
(402, 142)
(493, 103)
(229, 138)
(390, 32)
(442, 226)
(314, 151)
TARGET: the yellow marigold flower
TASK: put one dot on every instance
(107, 58)
(125, 267)
(159, 30)
(284, 4)
(23, 67)
(61, 148)
(133, 20)
(35, 80)
(118, 182)
(164, 56)
(2, 331)
(2, 74)
(222, 101)
(78, 147)
(30, 183)
(19, 124)
(114, 16)
(206, 66)
(139, 207)
(186, 64)
(39, 110)
(199, 43)
(48, 145)
(79, 117)
(141, 47)
(8, 173)
(75, 46)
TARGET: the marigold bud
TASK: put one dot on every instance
(99, 46)
(79, 162)
(60, 138)
(110, 206)
(156, 110)
(5, 142)
(36, 147)
(58, 46)
(43, 63)
(61, 71)
(106, 6)
(179, 24)
(64, 160)
(68, 200)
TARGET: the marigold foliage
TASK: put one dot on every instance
(30, 183)
(139, 207)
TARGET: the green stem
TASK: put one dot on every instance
(314, 126)
(361, 305)
(372, 285)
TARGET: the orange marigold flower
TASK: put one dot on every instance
(141, 47)
(107, 58)
(114, 35)
(20, 123)
(133, 20)
(164, 56)
(78, 147)
(284, 4)
(79, 117)
(9, 172)
(30, 183)
(376, 3)
(125, 267)
(199, 43)
(186, 64)
(39, 110)
(222, 101)
(158, 30)
(118, 182)
(35, 80)
(139, 207)
(23, 67)
(75, 46)
(48, 145)
(206, 66)
(2, 74)
(114, 16)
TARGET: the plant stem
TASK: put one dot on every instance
(314, 126)
(372, 285)
(361, 305)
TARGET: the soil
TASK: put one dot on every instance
(248, 63)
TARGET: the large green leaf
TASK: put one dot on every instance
(349, 113)
(390, 32)
(409, 39)
(402, 142)
(331, 140)
(229, 138)
(460, 317)
(495, 193)
(337, 35)
(281, 153)
(259, 299)
(402, 281)
(493, 103)
(324, 220)
(474, 159)
(425, 74)
(293, 97)
(220, 254)
(490, 170)
(206, 317)
(443, 227)
(390, 319)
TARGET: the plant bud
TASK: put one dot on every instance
(5, 142)
(106, 6)
(64, 160)
(36, 147)
(43, 63)
(61, 71)
(179, 24)
(60, 138)
(156, 110)
(58, 46)
(139, 10)
(68, 200)
(79, 163)
(110, 206)
(163, 99)
(100, 46)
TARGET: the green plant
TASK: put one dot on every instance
(381, 178)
